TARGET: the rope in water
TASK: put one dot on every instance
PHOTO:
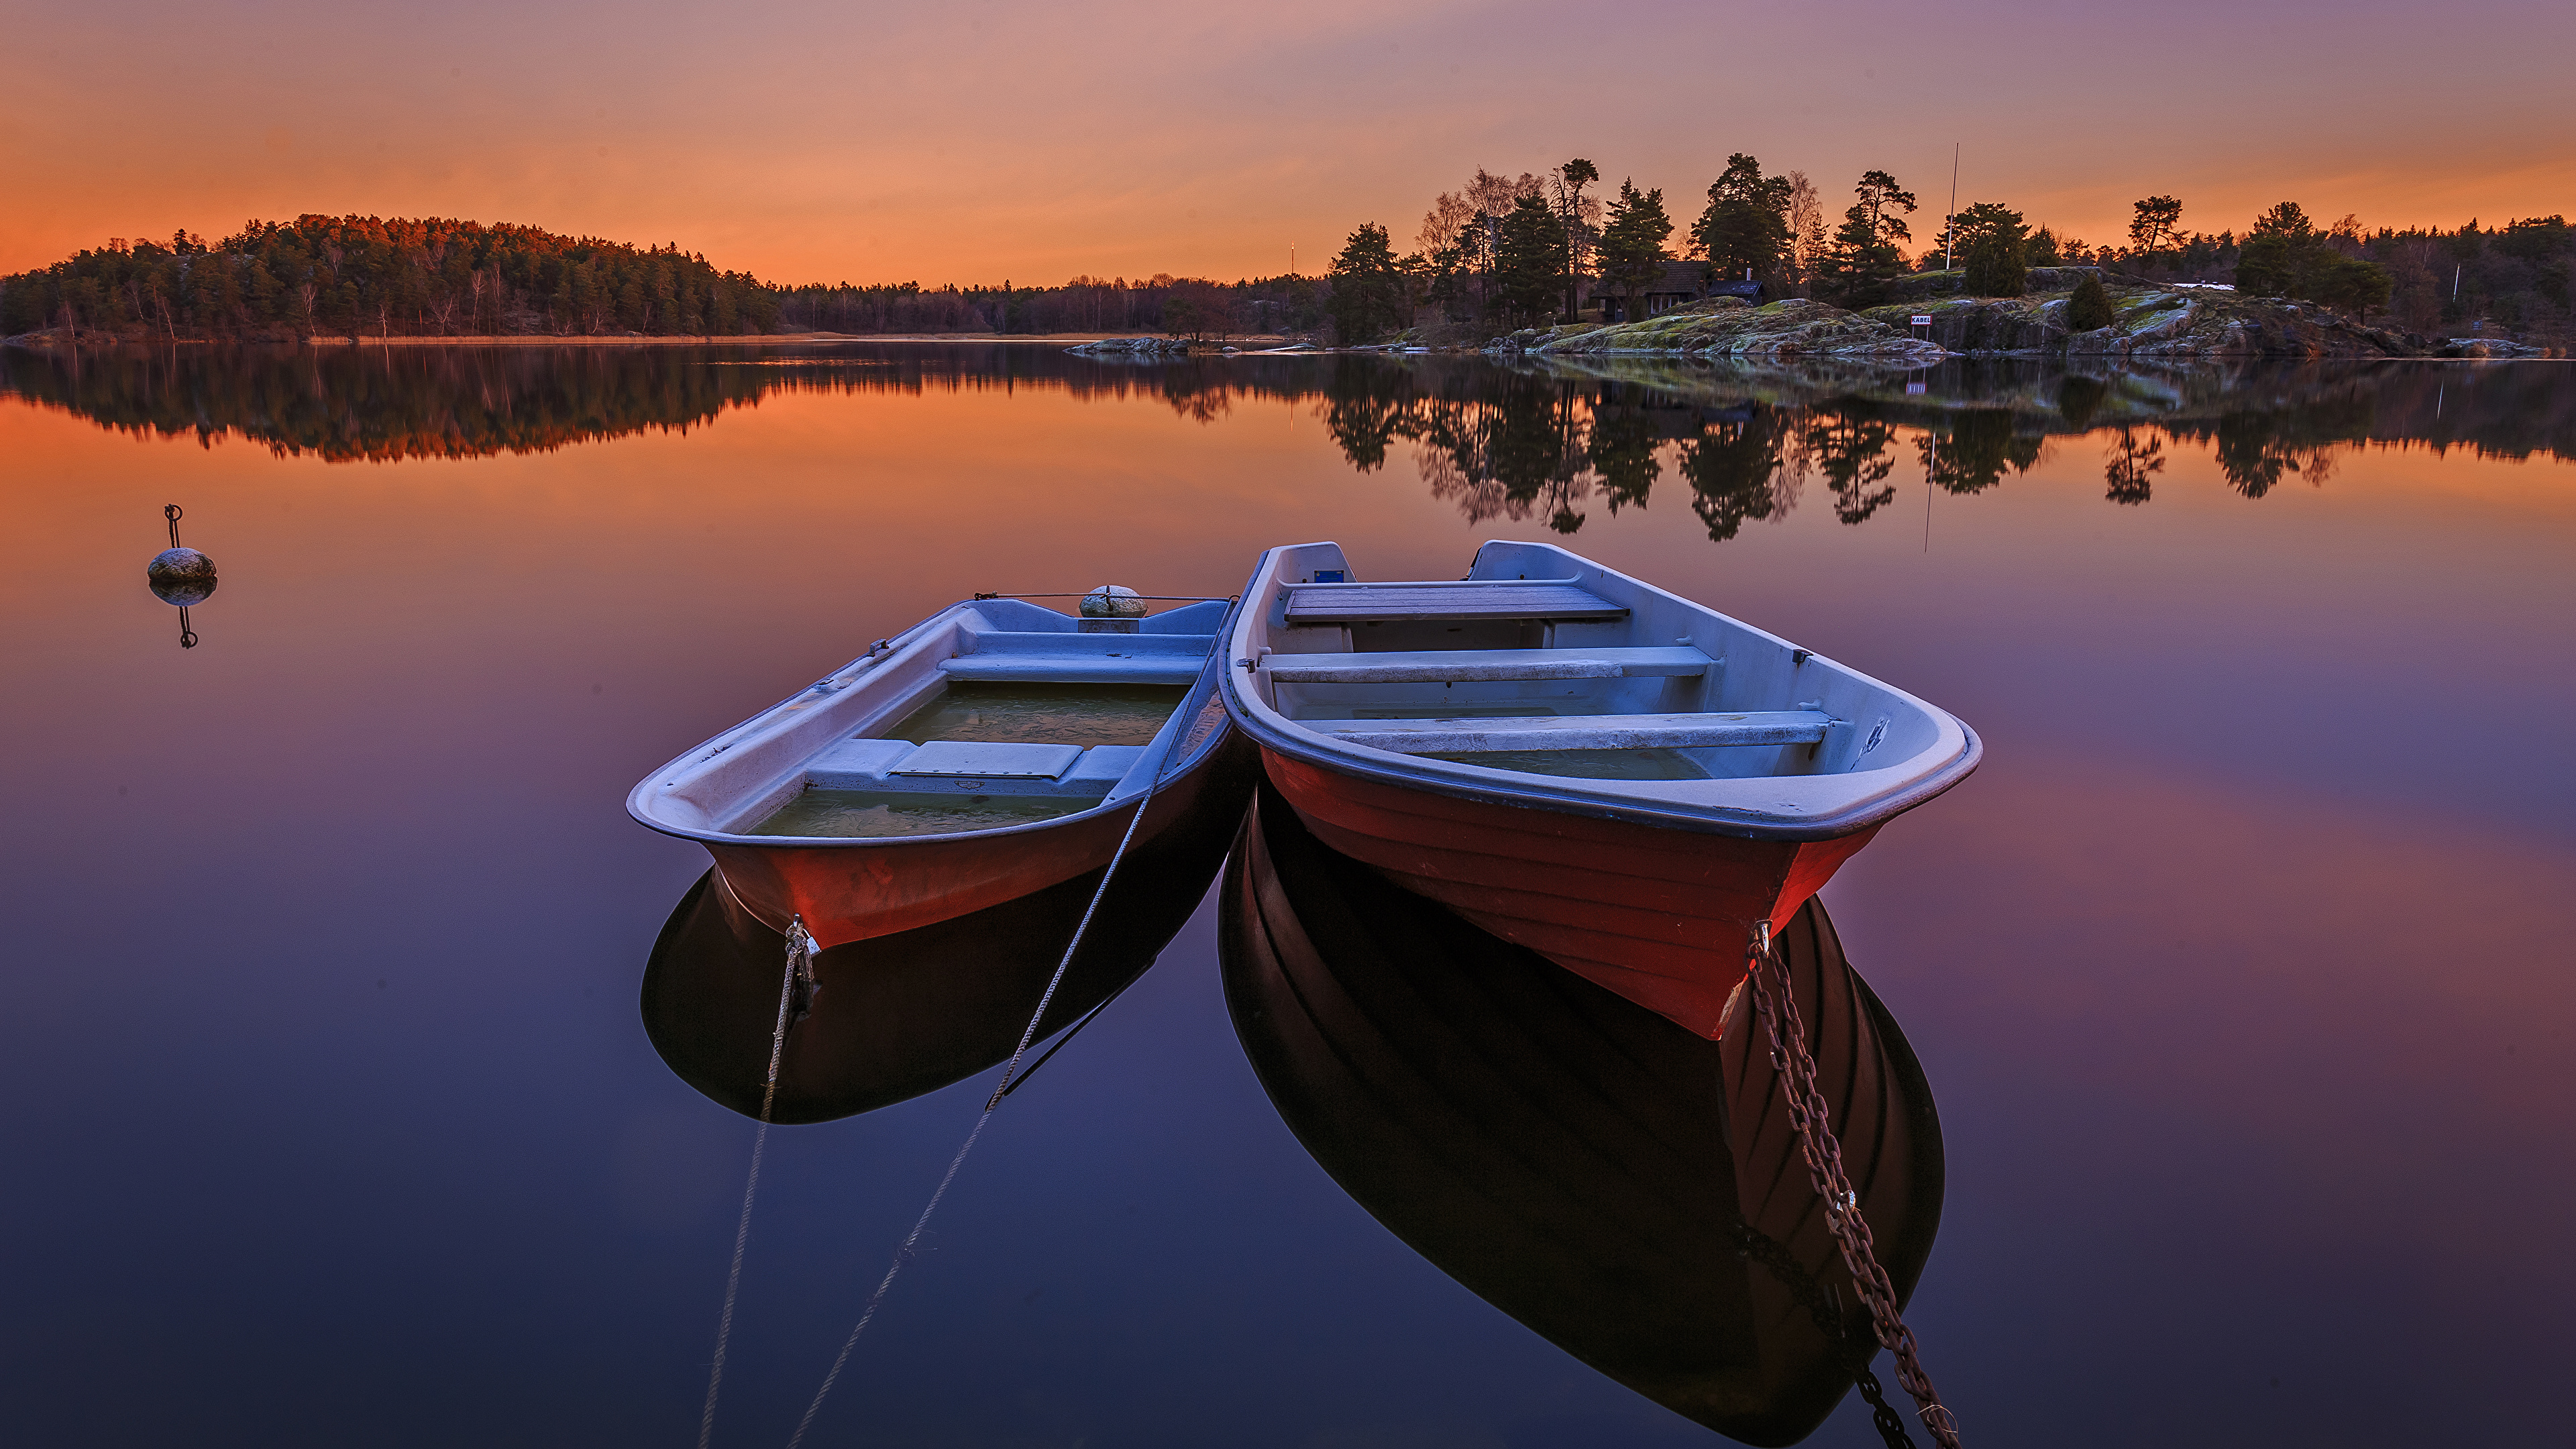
(800, 956)
(1787, 1033)
(1180, 726)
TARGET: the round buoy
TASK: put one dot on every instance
(1110, 601)
(181, 576)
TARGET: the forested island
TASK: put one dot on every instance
(1525, 255)
(364, 276)
(1542, 254)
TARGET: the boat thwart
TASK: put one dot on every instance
(1573, 759)
(991, 751)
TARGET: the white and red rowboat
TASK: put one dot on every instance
(990, 751)
(1614, 776)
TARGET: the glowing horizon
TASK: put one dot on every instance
(1000, 140)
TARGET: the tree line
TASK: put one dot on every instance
(1499, 254)
(440, 277)
(429, 276)
(1189, 307)
(2429, 280)
(1503, 253)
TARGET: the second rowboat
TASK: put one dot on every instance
(1573, 759)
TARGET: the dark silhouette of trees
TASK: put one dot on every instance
(1863, 255)
(2286, 256)
(2279, 253)
(1371, 295)
(1529, 262)
(1632, 242)
(443, 278)
(410, 277)
(1581, 216)
(2154, 224)
(1993, 247)
(1745, 228)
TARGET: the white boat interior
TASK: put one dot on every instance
(991, 715)
(1542, 674)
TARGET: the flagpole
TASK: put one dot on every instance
(1950, 223)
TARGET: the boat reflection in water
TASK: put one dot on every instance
(1628, 1190)
(894, 1016)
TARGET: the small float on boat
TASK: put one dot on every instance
(1575, 760)
(1627, 1190)
(987, 753)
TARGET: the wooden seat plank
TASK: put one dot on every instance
(1464, 665)
(1390, 603)
(1578, 732)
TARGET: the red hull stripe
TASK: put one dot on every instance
(858, 893)
(1658, 915)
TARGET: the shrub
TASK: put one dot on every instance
(1995, 266)
(2090, 308)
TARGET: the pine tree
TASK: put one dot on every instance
(1746, 226)
(1632, 243)
(1993, 246)
(1529, 262)
(1369, 293)
(1863, 256)
(2155, 222)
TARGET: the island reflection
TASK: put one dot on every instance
(1526, 441)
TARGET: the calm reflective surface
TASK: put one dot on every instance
(2240, 970)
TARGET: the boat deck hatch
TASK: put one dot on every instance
(983, 760)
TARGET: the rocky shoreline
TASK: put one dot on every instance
(2151, 321)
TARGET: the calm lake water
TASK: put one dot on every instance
(2241, 971)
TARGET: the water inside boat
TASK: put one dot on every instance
(1648, 764)
(1041, 714)
(1111, 721)
(852, 813)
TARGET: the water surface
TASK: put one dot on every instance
(2240, 971)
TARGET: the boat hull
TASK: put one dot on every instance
(1659, 915)
(1630, 1192)
(882, 887)
(908, 1012)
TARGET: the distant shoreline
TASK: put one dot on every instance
(49, 340)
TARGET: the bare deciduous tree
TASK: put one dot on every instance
(1806, 225)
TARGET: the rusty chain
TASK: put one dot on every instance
(1787, 1034)
(1827, 1311)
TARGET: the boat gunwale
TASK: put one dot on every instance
(1264, 723)
(1198, 692)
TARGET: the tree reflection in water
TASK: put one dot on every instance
(1744, 469)
(2130, 465)
(1972, 453)
(1524, 440)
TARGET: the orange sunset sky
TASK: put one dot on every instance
(980, 140)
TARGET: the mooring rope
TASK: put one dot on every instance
(800, 957)
(1787, 1033)
(1181, 721)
